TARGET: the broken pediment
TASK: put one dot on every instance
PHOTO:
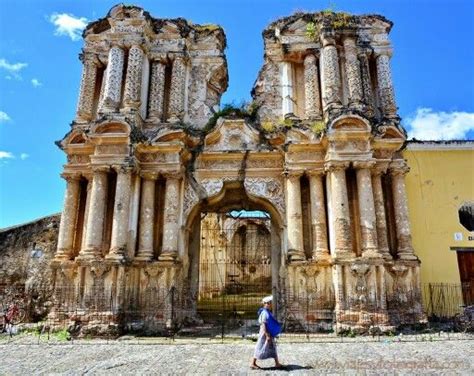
(232, 135)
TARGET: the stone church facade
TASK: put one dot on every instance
(319, 153)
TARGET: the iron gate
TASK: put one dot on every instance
(234, 267)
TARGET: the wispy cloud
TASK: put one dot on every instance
(4, 117)
(68, 25)
(427, 124)
(23, 156)
(36, 83)
(13, 69)
(6, 155)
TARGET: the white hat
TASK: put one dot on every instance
(267, 299)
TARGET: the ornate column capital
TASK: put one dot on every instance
(176, 175)
(328, 38)
(149, 175)
(383, 52)
(359, 165)
(380, 169)
(293, 174)
(331, 166)
(397, 169)
(316, 172)
(309, 58)
(71, 176)
(100, 169)
(123, 169)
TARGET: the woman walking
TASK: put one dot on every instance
(269, 328)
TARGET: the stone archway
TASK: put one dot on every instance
(233, 196)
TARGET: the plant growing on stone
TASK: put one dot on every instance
(318, 127)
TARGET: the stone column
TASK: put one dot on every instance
(368, 222)
(177, 90)
(341, 222)
(113, 80)
(286, 74)
(318, 215)
(67, 227)
(353, 73)
(95, 215)
(157, 91)
(294, 216)
(146, 222)
(85, 105)
(366, 82)
(331, 78)
(311, 87)
(169, 250)
(381, 217)
(133, 80)
(385, 85)
(400, 207)
(119, 238)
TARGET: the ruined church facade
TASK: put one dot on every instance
(319, 152)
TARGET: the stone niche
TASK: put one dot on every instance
(321, 158)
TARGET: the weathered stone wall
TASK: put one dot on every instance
(25, 254)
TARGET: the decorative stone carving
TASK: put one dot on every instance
(366, 84)
(212, 186)
(147, 217)
(385, 85)
(190, 199)
(311, 87)
(353, 72)
(178, 81)
(113, 80)
(157, 90)
(133, 79)
(318, 215)
(294, 217)
(270, 188)
(331, 82)
(85, 104)
(382, 233)
(171, 226)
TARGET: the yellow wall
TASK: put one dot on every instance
(439, 182)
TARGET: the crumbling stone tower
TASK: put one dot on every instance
(320, 154)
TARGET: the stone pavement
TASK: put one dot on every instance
(210, 357)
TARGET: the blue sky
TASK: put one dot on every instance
(40, 73)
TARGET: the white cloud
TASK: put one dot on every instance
(4, 117)
(12, 68)
(36, 83)
(430, 125)
(6, 155)
(68, 25)
(23, 156)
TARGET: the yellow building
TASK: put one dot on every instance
(440, 185)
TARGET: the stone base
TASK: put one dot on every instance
(168, 256)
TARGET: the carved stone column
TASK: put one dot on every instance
(133, 80)
(286, 76)
(85, 105)
(67, 227)
(368, 222)
(171, 216)
(113, 80)
(96, 215)
(366, 83)
(380, 215)
(400, 207)
(353, 73)
(147, 217)
(341, 222)
(385, 85)
(157, 91)
(118, 243)
(294, 217)
(331, 78)
(311, 87)
(177, 90)
(318, 215)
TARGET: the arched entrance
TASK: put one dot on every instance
(234, 254)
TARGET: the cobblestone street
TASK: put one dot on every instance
(198, 357)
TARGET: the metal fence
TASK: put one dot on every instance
(176, 313)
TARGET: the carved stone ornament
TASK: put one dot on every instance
(99, 270)
(269, 188)
(69, 271)
(190, 199)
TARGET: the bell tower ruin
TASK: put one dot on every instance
(319, 152)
